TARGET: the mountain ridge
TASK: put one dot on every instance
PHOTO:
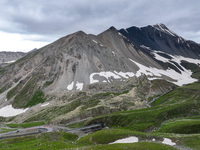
(112, 61)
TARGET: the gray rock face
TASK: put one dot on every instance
(79, 60)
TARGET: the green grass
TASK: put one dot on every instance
(193, 86)
(193, 67)
(132, 146)
(192, 141)
(29, 92)
(84, 101)
(181, 102)
(186, 126)
(110, 135)
(188, 92)
(52, 112)
(37, 98)
(148, 118)
(26, 125)
(4, 130)
(76, 125)
(45, 141)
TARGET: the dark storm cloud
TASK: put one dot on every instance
(61, 17)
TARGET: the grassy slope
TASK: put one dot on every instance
(132, 146)
(26, 125)
(181, 102)
(171, 115)
(185, 126)
(110, 135)
(43, 141)
(4, 130)
(58, 140)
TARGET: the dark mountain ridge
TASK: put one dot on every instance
(159, 37)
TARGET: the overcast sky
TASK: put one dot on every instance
(29, 24)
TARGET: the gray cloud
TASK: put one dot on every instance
(52, 19)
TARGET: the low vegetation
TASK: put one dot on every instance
(185, 126)
(25, 125)
(37, 98)
(132, 146)
(4, 130)
(174, 115)
(45, 141)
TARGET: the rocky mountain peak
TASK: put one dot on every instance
(85, 62)
(160, 26)
(112, 28)
(163, 28)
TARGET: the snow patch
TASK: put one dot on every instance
(146, 47)
(175, 58)
(131, 139)
(183, 78)
(9, 111)
(79, 86)
(113, 53)
(158, 57)
(9, 62)
(126, 30)
(43, 105)
(70, 87)
(120, 34)
(108, 75)
(180, 39)
(125, 74)
(123, 36)
(95, 41)
(168, 142)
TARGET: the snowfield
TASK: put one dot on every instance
(109, 75)
(9, 111)
(154, 73)
(131, 139)
(9, 62)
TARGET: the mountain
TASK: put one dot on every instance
(9, 57)
(83, 75)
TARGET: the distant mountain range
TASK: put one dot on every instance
(10, 57)
(113, 61)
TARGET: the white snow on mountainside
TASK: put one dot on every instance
(154, 73)
(9, 111)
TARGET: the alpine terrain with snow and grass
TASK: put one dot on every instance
(134, 88)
